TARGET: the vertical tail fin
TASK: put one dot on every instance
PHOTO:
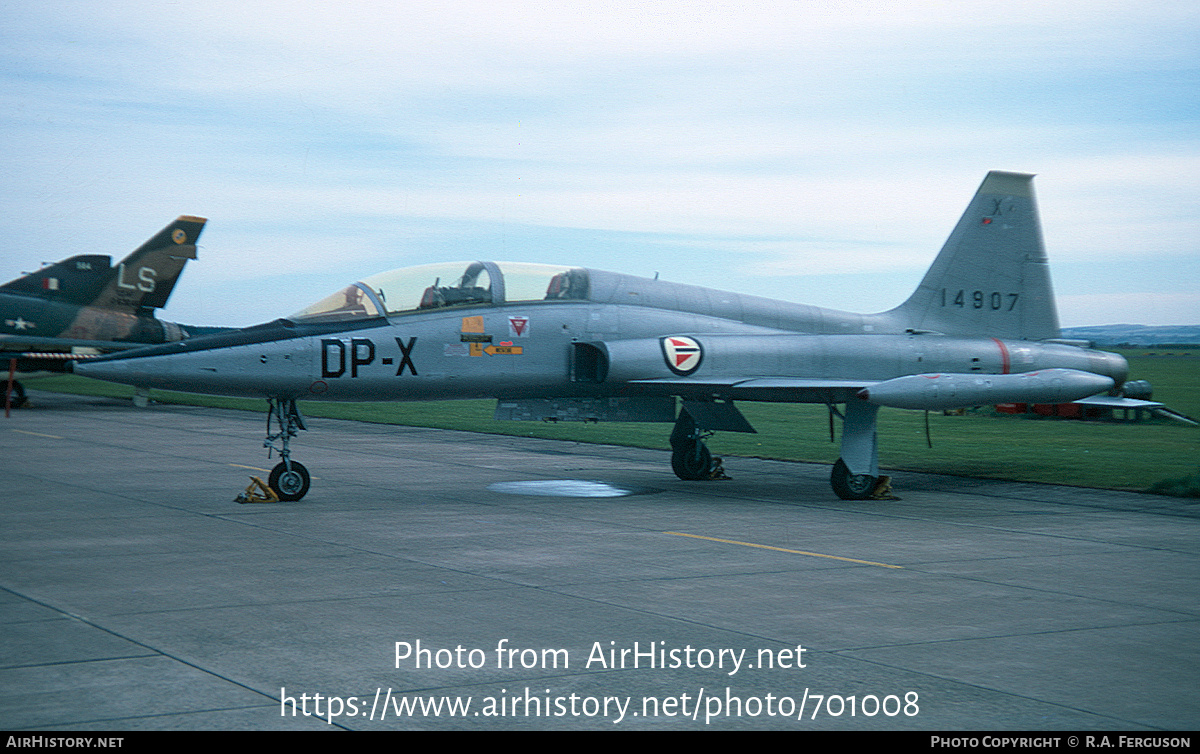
(141, 281)
(144, 279)
(77, 280)
(992, 276)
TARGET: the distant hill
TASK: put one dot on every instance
(1136, 335)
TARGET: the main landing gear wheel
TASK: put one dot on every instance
(852, 486)
(692, 462)
(690, 457)
(17, 398)
(289, 484)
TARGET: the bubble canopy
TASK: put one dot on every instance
(448, 284)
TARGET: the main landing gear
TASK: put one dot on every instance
(289, 479)
(856, 474)
(849, 486)
(16, 396)
(690, 457)
(14, 392)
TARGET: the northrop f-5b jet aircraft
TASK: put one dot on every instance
(566, 343)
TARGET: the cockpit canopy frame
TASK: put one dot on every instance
(410, 290)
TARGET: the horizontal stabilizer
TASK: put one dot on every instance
(1108, 401)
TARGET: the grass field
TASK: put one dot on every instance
(981, 443)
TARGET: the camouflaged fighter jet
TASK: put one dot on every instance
(85, 304)
(563, 343)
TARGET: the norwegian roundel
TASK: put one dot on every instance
(683, 354)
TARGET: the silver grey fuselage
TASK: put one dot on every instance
(426, 355)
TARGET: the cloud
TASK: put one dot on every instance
(782, 138)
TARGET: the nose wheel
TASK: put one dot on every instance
(289, 480)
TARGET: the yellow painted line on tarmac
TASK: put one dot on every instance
(38, 434)
(783, 549)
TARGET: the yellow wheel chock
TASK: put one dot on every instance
(718, 470)
(257, 492)
(883, 490)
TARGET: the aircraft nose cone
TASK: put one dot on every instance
(111, 371)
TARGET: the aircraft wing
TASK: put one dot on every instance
(773, 389)
(12, 343)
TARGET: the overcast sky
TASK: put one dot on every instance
(817, 152)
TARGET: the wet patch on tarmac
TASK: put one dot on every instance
(568, 488)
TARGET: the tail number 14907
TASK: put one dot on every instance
(995, 301)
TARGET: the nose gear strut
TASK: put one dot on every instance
(289, 479)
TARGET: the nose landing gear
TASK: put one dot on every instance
(289, 479)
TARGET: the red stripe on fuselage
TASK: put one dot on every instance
(1004, 360)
